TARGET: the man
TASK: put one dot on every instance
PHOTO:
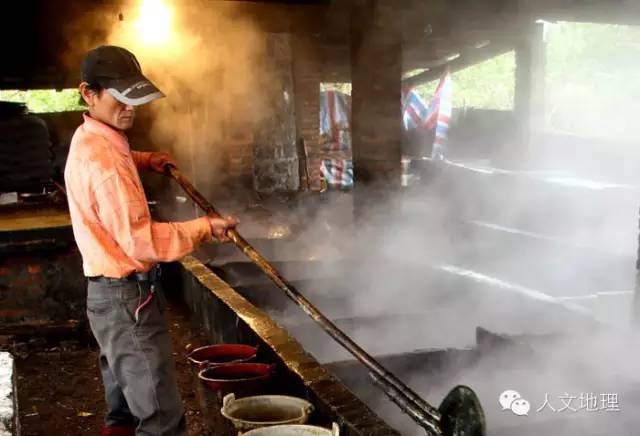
(121, 245)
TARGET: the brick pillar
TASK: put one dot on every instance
(307, 67)
(376, 68)
(275, 153)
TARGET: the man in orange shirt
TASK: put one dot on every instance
(121, 246)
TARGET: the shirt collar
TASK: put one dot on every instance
(112, 135)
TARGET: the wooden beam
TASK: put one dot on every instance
(41, 328)
(469, 57)
(598, 11)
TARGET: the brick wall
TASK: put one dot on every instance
(376, 72)
(48, 286)
(306, 72)
(315, 61)
(239, 162)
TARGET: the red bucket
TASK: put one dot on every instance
(234, 377)
(221, 354)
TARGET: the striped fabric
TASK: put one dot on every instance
(414, 110)
(417, 114)
(335, 164)
(443, 98)
(338, 172)
(335, 120)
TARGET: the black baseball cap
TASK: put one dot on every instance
(118, 71)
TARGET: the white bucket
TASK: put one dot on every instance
(265, 410)
(294, 430)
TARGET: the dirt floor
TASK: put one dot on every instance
(60, 392)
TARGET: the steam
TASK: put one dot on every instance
(528, 254)
(209, 61)
(212, 72)
(423, 276)
(426, 271)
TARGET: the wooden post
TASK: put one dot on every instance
(530, 79)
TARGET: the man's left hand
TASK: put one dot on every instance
(159, 159)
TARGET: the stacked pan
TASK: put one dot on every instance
(26, 162)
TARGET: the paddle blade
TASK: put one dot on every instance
(462, 414)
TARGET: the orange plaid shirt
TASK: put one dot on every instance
(109, 212)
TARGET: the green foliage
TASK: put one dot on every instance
(592, 86)
(45, 100)
(487, 85)
(345, 88)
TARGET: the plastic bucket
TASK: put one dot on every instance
(232, 377)
(265, 410)
(294, 430)
(243, 379)
(221, 353)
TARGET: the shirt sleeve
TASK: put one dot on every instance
(123, 211)
(142, 159)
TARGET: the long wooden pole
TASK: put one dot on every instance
(410, 402)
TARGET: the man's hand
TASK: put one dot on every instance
(159, 159)
(219, 227)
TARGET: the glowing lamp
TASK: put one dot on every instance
(153, 24)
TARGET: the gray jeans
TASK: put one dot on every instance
(136, 359)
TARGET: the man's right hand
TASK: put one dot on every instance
(219, 227)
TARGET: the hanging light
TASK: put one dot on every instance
(153, 24)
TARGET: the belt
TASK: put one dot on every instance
(153, 275)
